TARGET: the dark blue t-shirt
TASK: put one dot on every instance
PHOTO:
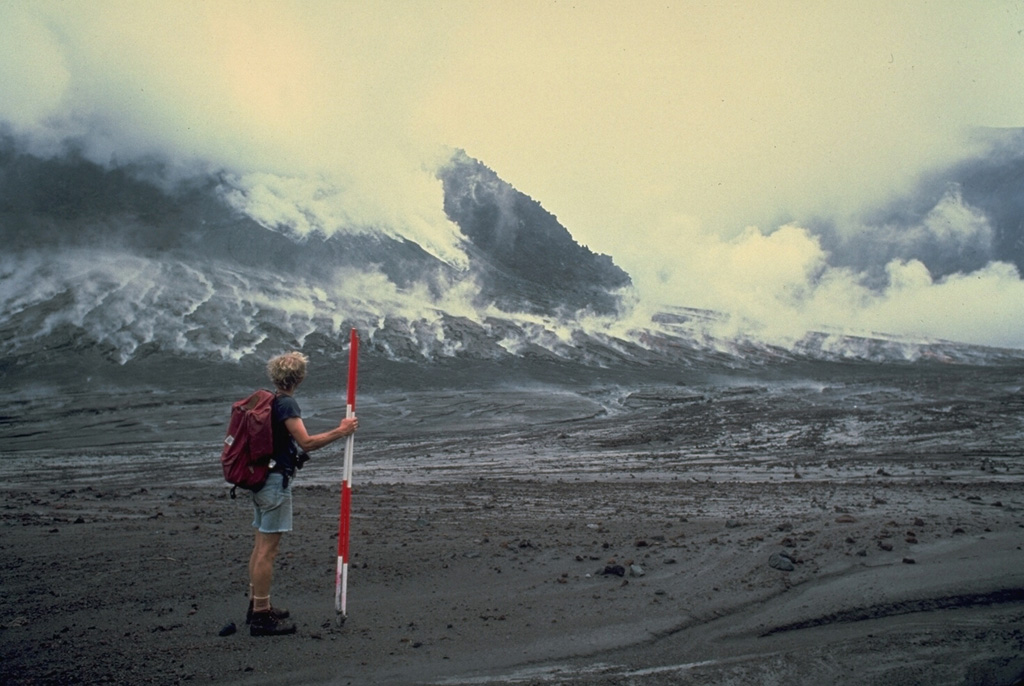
(285, 450)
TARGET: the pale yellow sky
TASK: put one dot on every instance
(722, 111)
(651, 129)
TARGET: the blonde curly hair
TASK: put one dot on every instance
(287, 371)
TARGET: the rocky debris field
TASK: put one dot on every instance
(866, 533)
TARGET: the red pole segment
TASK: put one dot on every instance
(341, 576)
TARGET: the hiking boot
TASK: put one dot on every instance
(278, 612)
(266, 624)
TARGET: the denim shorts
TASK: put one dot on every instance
(272, 505)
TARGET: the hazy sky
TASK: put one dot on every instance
(658, 132)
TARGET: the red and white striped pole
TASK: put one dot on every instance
(341, 577)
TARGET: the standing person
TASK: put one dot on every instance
(273, 502)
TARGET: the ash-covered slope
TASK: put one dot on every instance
(70, 202)
(118, 274)
(519, 254)
(120, 264)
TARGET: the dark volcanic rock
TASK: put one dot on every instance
(530, 260)
(781, 562)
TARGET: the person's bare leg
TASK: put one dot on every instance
(261, 569)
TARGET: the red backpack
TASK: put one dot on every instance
(249, 444)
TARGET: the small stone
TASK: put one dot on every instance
(227, 629)
(614, 570)
(636, 570)
(780, 562)
(909, 561)
(845, 519)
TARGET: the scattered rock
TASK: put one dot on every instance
(614, 570)
(227, 629)
(845, 519)
(636, 570)
(909, 561)
(885, 545)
